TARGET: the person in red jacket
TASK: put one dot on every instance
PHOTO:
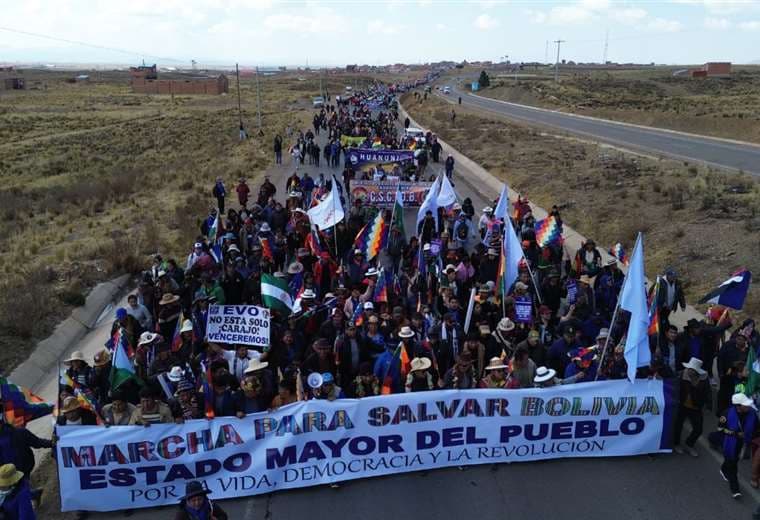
(242, 192)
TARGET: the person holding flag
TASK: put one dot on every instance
(396, 232)
(669, 295)
(633, 299)
(17, 439)
(427, 215)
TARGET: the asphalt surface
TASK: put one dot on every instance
(652, 141)
(636, 488)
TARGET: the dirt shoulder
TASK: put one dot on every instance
(718, 107)
(704, 223)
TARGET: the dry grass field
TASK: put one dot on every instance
(728, 108)
(702, 222)
(94, 179)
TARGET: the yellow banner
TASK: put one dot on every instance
(347, 140)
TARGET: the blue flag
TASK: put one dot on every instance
(502, 206)
(513, 255)
(732, 292)
(633, 298)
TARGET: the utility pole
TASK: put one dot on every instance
(546, 52)
(556, 63)
(240, 110)
(258, 101)
(606, 44)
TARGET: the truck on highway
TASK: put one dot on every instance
(318, 102)
(447, 90)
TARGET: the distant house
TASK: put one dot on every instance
(351, 68)
(14, 84)
(144, 72)
(713, 69)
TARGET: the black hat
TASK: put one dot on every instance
(193, 489)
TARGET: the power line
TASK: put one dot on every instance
(92, 45)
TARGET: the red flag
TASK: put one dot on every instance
(266, 249)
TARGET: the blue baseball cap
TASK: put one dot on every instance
(121, 313)
(327, 378)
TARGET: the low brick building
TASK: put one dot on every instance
(144, 72)
(13, 84)
(713, 69)
(191, 86)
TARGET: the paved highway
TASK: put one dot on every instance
(689, 147)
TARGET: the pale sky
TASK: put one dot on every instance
(272, 32)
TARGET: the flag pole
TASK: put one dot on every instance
(614, 316)
(533, 279)
(334, 189)
(607, 339)
(502, 282)
(470, 305)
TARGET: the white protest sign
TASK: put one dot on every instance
(241, 324)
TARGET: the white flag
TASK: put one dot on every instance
(430, 203)
(447, 196)
(328, 212)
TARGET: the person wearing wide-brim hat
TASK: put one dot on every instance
(257, 388)
(100, 382)
(496, 375)
(169, 310)
(503, 339)
(78, 369)
(295, 268)
(419, 378)
(545, 377)
(16, 494)
(693, 396)
(195, 505)
(407, 336)
(72, 414)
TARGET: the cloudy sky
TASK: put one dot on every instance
(272, 32)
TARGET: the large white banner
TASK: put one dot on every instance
(241, 324)
(318, 442)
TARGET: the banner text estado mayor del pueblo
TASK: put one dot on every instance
(318, 442)
(238, 324)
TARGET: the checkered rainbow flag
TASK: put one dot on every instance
(20, 405)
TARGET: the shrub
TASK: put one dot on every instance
(72, 295)
(27, 303)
